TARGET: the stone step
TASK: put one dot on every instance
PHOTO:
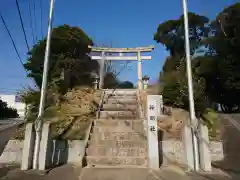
(119, 107)
(118, 143)
(122, 101)
(118, 98)
(115, 136)
(121, 93)
(115, 122)
(130, 96)
(118, 114)
(113, 151)
(116, 161)
(134, 128)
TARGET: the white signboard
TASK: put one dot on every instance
(152, 115)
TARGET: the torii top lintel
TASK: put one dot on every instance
(122, 50)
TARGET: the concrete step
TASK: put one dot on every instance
(113, 151)
(116, 161)
(121, 93)
(119, 107)
(134, 128)
(120, 97)
(115, 122)
(118, 114)
(120, 101)
(118, 143)
(115, 136)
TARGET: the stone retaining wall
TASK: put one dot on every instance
(73, 151)
(70, 152)
(173, 152)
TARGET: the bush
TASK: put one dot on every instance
(7, 112)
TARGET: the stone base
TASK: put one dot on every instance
(28, 147)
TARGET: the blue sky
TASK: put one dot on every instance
(125, 23)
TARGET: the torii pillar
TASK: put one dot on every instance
(140, 84)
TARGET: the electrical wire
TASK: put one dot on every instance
(24, 32)
(41, 16)
(31, 23)
(34, 17)
(14, 45)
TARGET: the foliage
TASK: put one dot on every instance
(171, 33)
(7, 112)
(126, 85)
(216, 75)
(110, 81)
(71, 118)
(210, 118)
(68, 58)
(69, 66)
(221, 66)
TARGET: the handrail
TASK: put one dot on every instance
(100, 104)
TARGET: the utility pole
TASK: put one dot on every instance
(190, 88)
(38, 123)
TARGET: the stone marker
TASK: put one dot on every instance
(188, 145)
(28, 147)
(45, 148)
(204, 149)
(152, 113)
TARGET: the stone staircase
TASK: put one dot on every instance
(117, 137)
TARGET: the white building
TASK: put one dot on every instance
(13, 102)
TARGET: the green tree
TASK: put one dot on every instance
(110, 81)
(173, 75)
(221, 66)
(126, 85)
(68, 57)
(6, 112)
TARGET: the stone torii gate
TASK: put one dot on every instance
(121, 51)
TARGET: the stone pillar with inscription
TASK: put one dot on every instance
(152, 114)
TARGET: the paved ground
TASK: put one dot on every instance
(167, 173)
(68, 172)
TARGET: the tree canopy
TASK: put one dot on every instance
(216, 75)
(126, 85)
(68, 58)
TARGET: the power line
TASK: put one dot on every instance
(34, 17)
(31, 23)
(41, 11)
(14, 45)
(24, 32)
